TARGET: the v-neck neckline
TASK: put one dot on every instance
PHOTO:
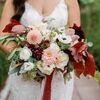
(41, 14)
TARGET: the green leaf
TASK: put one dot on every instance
(52, 34)
(8, 41)
(62, 45)
(4, 37)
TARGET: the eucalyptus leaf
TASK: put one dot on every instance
(3, 41)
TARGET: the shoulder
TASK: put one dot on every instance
(9, 1)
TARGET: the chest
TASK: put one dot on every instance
(58, 15)
(43, 7)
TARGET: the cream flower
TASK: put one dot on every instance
(34, 37)
(25, 54)
(46, 69)
(62, 60)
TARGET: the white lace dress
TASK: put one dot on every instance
(31, 90)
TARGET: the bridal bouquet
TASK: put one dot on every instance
(42, 50)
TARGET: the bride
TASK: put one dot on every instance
(31, 12)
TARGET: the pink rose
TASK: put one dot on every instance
(18, 29)
(71, 32)
(34, 37)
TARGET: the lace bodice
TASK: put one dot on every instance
(22, 90)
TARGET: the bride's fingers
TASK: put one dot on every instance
(8, 48)
(4, 33)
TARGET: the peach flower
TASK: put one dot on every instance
(34, 37)
(49, 56)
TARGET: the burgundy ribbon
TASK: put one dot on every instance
(47, 88)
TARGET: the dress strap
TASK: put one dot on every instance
(63, 2)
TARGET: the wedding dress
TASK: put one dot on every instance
(31, 90)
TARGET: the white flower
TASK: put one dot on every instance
(25, 53)
(65, 39)
(90, 44)
(45, 68)
(42, 26)
(46, 34)
(62, 60)
(27, 66)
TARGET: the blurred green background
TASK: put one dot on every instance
(90, 19)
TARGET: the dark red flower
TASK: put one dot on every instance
(9, 26)
(79, 32)
(37, 53)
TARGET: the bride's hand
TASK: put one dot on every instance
(7, 48)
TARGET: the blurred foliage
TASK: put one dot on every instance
(86, 2)
(3, 68)
(1, 7)
(97, 76)
(90, 15)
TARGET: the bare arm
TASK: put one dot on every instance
(74, 12)
(8, 12)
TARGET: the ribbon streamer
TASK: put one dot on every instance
(47, 88)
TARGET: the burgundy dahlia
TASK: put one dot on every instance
(37, 53)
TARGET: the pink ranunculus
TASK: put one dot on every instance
(70, 31)
(18, 29)
(34, 37)
(75, 37)
(49, 56)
